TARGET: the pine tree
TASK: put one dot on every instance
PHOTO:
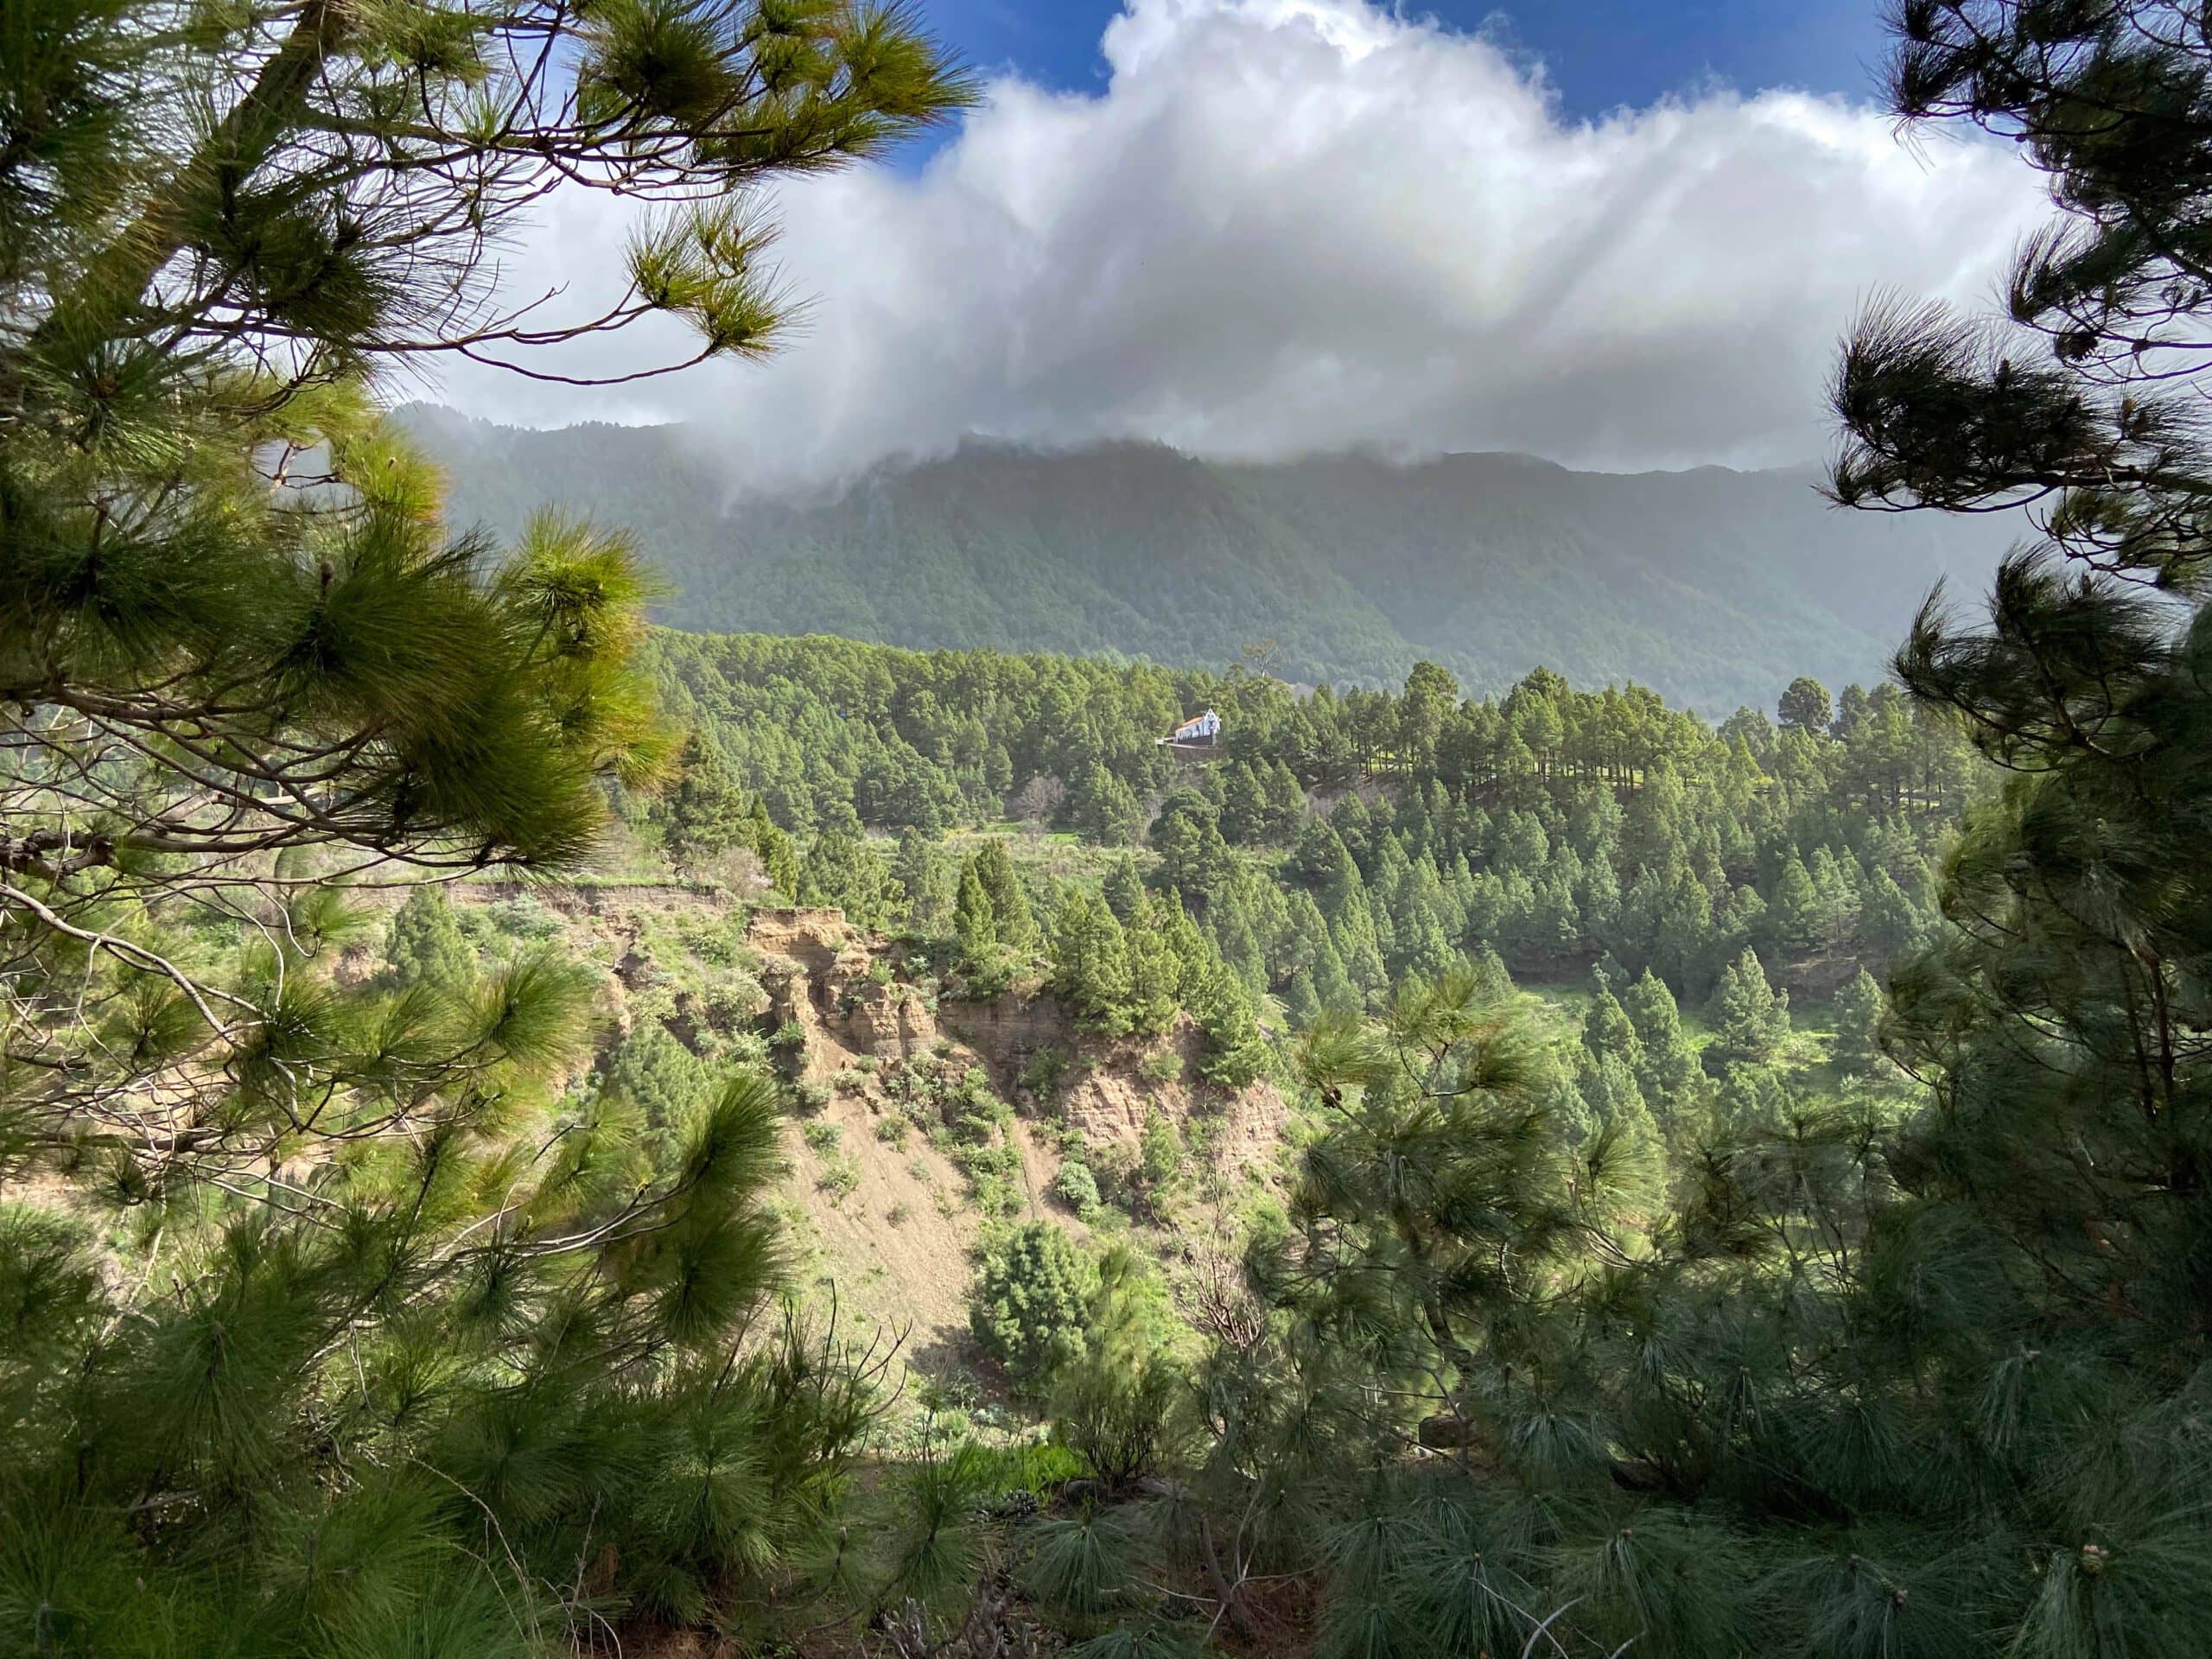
(1155, 968)
(974, 922)
(707, 813)
(925, 877)
(1607, 1030)
(1859, 1008)
(1806, 707)
(842, 870)
(1090, 965)
(1671, 1074)
(1033, 1288)
(426, 946)
(1751, 1019)
(1243, 805)
(1123, 890)
(1106, 809)
(1013, 924)
(1236, 1053)
(403, 1337)
(1797, 922)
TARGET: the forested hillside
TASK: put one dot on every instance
(526, 1135)
(1336, 842)
(1716, 588)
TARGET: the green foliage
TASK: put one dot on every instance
(1163, 1065)
(358, 1339)
(1670, 1073)
(975, 918)
(1751, 1019)
(1033, 1286)
(426, 947)
(667, 1084)
(1114, 1404)
(1012, 924)
(842, 870)
(1077, 1188)
(1858, 1008)
(1917, 1383)
(1355, 569)
(1090, 966)
(1806, 707)
(926, 880)
(1551, 826)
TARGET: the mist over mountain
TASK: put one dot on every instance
(1714, 587)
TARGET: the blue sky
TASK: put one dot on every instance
(1599, 55)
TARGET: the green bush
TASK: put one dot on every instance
(1077, 1188)
(1043, 1073)
(823, 1136)
(1032, 1286)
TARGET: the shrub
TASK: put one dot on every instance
(809, 1096)
(840, 1176)
(891, 1130)
(1077, 1188)
(1033, 1289)
(823, 1136)
(1163, 1065)
(1043, 1073)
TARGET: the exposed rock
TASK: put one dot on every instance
(1010, 1031)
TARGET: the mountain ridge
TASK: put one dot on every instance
(1714, 585)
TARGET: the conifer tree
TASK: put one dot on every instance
(1671, 1073)
(426, 947)
(925, 877)
(1123, 890)
(1751, 1019)
(1806, 707)
(402, 1340)
(706, 812)
(1013, 924)
(1859, 1008)
(1796, 918)
(1236, 1053)
(1608, 1031)
(974, 921)
(842, 870)
(1156, 967)
(1033, 1289)
(1091, 966)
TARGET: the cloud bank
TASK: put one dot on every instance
(1293, 225)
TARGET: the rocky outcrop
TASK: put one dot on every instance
(1011, 1032)
(822, 976)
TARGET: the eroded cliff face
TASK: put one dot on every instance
(887, 1207)
(840, 989)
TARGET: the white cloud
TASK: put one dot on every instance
(1297, 225)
